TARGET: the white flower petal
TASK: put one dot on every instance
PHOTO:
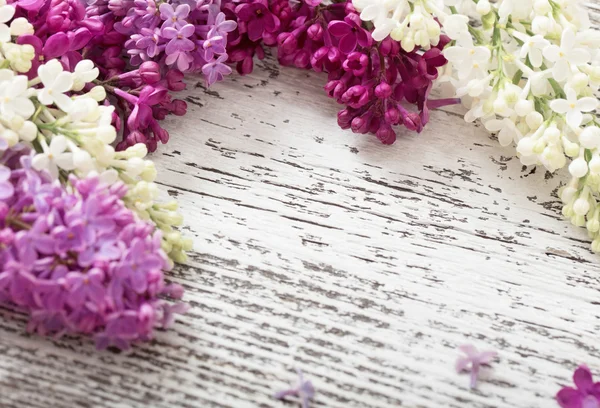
(456, 54)
(552, 53)
(63, 82)
(579, 56)
(44, 97)
(567, 41)
(49, 71)
(65, 161)
(574, 118)
(63, 102)
(6, 13)
(560, 105)
(494, 125)
(535, 57)
(587, 104)
(58, 145)
(561, 69)
(23, 107)
(40, 161)
(506, 136)
(4, 33)
(482, 54)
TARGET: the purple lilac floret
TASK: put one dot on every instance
(473, 360)
(303, 390)
(585, 394)
(77, 260)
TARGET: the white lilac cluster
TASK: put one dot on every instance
(58, 114)
(527, 69)
(14, 56)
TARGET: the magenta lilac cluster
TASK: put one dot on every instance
(378, 82)
(77, 260)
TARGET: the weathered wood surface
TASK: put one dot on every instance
(363, 265)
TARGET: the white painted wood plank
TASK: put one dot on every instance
(362, 264)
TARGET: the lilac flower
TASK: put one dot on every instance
(222, 26)
(303, 390)
(148, 41)
(258, 19)
(350, 33)
(213, 45)
(108, 287)
(174, 18)
(586, 393)
(357, 63)
(215, 70)
(179, 38)
(473, 361)
(86, 287)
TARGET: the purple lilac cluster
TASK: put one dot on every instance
(374, 80)
(77, 260)
(585, 394)
(190, 36)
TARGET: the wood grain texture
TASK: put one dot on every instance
(363, 265)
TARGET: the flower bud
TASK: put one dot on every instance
(386, 134)
(578, 220)
(552, 134)
(408, 43)
(315, 32)
(524, 107)
(360, 124)
(590, 137)
(344, 118)
(392, 116)
(10, 136)
(571, 149)
(581, 206)
(567, 194)
(483, 7)
(149, 72)
(28, 131)
(578, 167)
(579, 81)
(534, 120)
(97, 93)
(525, 146)
(20, 26)
(596, 245)
(593, 225)
(594, 164)
(383, 90)
(107, 134)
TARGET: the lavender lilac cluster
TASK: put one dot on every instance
(77, 260)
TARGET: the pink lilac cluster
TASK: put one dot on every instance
(585, 394)
(67, 30)
(77, 260)
(376, 81)
(190, 36)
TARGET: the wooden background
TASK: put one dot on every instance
(363, 265)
